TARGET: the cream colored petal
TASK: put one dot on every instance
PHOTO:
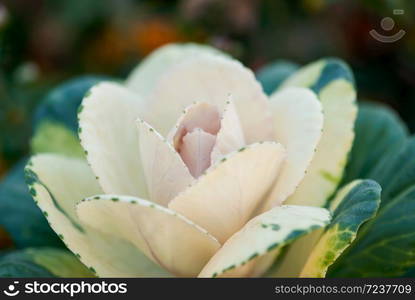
(266, 233)
(210, 78)
(230, 136)
(298, 124)
(145, 76)
(223, 199)
(197, 115)
(165, 172)
(57, 183)
(195, 150)
(168, 238)
(224, 124)
(108, 134)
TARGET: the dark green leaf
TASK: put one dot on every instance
(272, 75)
(20, 216)
(333, 69)
(62, 103)
(379, 135)
(353, 205)
(385, 245)
(12, 268)
(410, 273)
(42, 262)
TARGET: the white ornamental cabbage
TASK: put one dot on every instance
(187, 166)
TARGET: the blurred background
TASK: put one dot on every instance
(43, 42)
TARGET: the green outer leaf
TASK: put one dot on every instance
(61, 104)
(332, 80)
(353, 205)
(320, 74)
(42, 262)
(334, 69)
(15, 266)
(20, 216)
(385, 246)
(59, 262)
(272, 75)
(410, 273)
(379, 135)
(53, 137)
